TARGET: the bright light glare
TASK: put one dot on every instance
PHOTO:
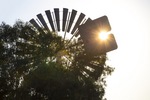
(103, 36)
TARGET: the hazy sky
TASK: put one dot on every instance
(130, 22)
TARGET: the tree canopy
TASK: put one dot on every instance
(37, 64)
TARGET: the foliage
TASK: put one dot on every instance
(38, 64)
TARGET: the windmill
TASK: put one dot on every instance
(83, 47)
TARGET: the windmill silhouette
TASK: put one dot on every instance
(85, 31)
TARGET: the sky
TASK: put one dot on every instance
(130, 22)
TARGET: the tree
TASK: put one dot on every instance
(38, 64)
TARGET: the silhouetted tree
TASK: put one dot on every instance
(38, 64)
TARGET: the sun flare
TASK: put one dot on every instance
(103, 35)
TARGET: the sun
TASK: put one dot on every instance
(103, 35)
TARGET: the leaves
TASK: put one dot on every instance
(40, 65)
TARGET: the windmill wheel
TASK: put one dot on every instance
(72, 54)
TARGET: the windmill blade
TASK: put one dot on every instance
(36, 25)
(72, 17)
(81, 17)
(65, 16)
(40, 17)
(56, 12)
(49, 16)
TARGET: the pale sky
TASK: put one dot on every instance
(130, 22)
